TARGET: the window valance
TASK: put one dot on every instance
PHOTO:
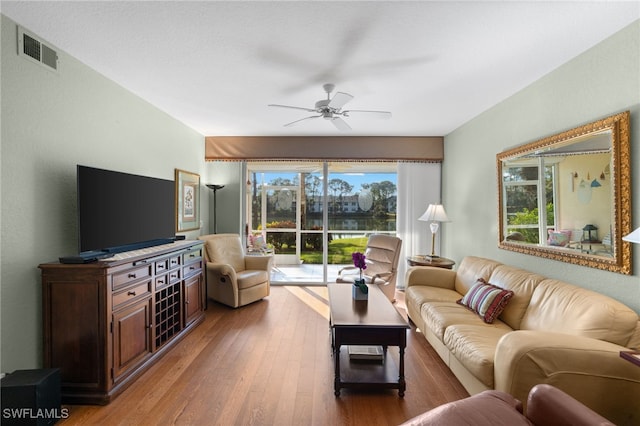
(379, 148)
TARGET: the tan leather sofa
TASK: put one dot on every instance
(550, 332)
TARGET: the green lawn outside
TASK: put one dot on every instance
(340, 251)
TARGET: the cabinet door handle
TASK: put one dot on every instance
(131, 293)
(160, 282)
(131, 275)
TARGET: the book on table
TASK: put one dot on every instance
(365, 353)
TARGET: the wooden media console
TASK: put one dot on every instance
(107, 322)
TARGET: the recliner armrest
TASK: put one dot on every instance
(548, 405)
(261, 263)
(221, 269)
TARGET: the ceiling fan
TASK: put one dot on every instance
(331, 109)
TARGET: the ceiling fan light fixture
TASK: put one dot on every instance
(331, 109)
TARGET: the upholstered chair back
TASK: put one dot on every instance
(225, 248)
(383, 253)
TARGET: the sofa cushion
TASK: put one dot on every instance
(416, 296)
(522, 283)
(420, 294)
(565, 308)
(471, 268)
(440, 315)
(475, 347)
(486, 300)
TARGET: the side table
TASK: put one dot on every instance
(438, 262)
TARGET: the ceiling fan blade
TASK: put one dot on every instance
(302, 119)
(376, 114)
(292, 107)
(339, 100)
(340, 124)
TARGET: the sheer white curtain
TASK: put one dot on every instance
(418, 186)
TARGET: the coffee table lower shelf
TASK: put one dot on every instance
(365, 375)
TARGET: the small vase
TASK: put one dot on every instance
(357, 293)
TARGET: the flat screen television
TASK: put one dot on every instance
(121, 211)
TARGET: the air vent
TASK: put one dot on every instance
(37, 50)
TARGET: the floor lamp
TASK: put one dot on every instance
(435, 214)
(215, 189)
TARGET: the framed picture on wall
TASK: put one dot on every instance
(187, 201)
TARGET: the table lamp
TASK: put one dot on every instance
(435, 213)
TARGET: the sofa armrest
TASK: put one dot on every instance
(548, 405)
(589, 370)
(431, 276)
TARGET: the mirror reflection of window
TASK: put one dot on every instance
(577, 178)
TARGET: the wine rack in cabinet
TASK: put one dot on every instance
(107, 322)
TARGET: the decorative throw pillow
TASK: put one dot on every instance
(558, 238)
(486, 300)
(258, 241)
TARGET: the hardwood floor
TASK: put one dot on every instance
(270, 363)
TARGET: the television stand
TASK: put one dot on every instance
(106, 322)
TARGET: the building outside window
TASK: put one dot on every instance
(311, 227)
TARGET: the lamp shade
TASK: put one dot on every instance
(214, 186)
(633, 237)
(434, 213)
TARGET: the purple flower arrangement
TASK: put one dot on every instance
(359, 261)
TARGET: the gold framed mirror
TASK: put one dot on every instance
(581, 179)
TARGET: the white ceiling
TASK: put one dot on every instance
(216, 65)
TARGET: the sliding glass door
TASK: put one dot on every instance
(313, 215)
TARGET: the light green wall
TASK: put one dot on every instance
(229, 212)
(598, 83)
(49, 123)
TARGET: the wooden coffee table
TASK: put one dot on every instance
(374, 322)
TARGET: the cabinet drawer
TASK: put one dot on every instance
(161, 266)
(192, 255)
(192, 269)
(132, 293)
(174, 262)
(170, 278)
(131, 276)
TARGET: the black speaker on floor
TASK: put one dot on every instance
(32, 397)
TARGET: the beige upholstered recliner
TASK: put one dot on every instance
(382, 254)
(234, 278)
